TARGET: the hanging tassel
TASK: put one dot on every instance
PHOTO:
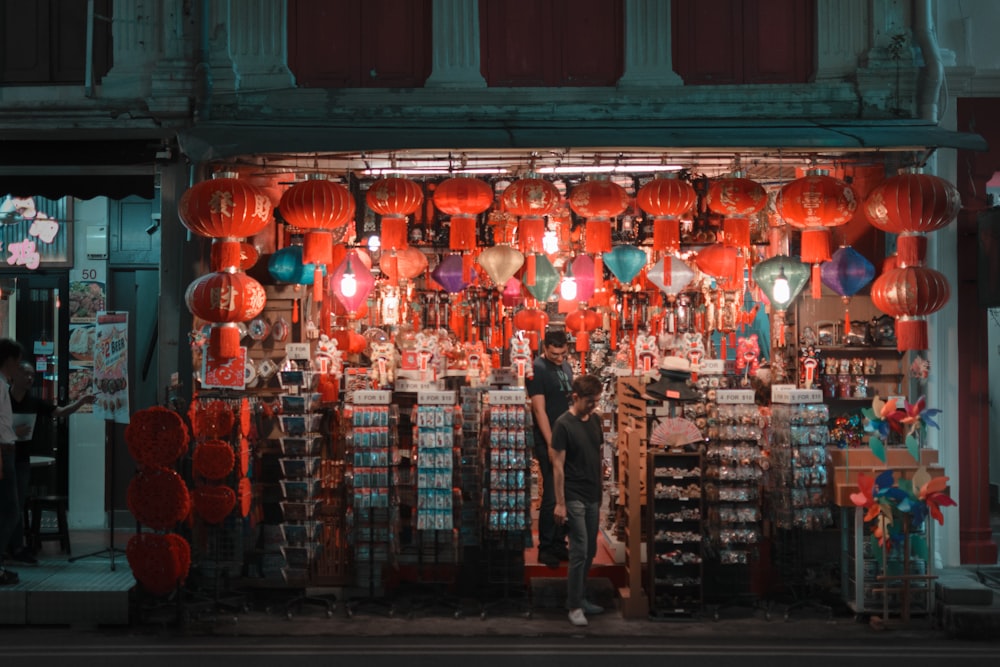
(911, 249)
(723, 352)
(736, 232)
(598, 272)
(666, 234)
(317, 248)
(597, 236)
(815, 245)
(295, 311)
(911, 334)
(224, 341)
(847, 316)
(817, 282)
(613, 342)
(668, 267)
(463, 232)
(468, 260)
(530, 232)
(393, 232)
(318, 283)
(530, 277)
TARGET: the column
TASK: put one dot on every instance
(135, 49)
(455, 47)
(842, 29)
(258, 44)
(173, 75)
(648, 59)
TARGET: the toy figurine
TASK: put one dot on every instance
(871, 366)
(383, 364)
(808, 363)
(520, 357)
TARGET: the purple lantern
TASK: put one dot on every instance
(449, 274)
(846, 273)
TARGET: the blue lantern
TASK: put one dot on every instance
(625, 261)
(286, 266)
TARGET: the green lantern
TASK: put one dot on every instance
(546, 278)
(782, 279)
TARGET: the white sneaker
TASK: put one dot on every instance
(590, 608)
(577, 618)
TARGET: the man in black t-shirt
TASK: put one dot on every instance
(577, 441)
(549, 390)
(22, 402)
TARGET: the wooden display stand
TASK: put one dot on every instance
(632, 492)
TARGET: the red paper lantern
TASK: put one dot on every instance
(912, 202)
(735, 196)
(394, 199)
(723, 263)
(598, 201)
(908, 294)
(531, 197)
(158, 498)
(407, 264)
(531, 319)
(813, 204)
(463, 199)
(318, 206)
(665, 199)
(224, 208)
(226, 298)
(582, 321)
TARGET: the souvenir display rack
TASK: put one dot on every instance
(800, 502)
(374, 423)
(506, 445)
(674, 512)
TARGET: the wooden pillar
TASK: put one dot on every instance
(976, 545)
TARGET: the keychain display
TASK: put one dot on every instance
(434, 434)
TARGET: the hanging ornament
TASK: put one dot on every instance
(224, 299)
(352, 282)
(224, 208)
(813, 204)
(625, 262)
(583, 274)
(286, 266)
(545, 279)
(666, 199)
(909, 294)
(500, 262)
(671, 275)
(394, 199)
(512, 296)
(723, 263)
(463, 199)
(781, 278)
(846, 273)
(450, 274)
(598, 201)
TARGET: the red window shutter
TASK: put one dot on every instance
(516, 42)
(708, 41)
(779, 39)
(359, 43)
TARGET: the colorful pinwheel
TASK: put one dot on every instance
(917, 415)
(934, 496)
(888, 499)
(882, 416)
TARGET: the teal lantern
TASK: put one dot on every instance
(286, 266)
(545, 279)
(625, 262)
(782, 279)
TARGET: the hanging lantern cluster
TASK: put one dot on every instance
(463, 199)
(736, 199)
(598, 201)
(813, 204)
(665, 200)
(394, 199)
(911, 204)
(531, 199)
(225, 209)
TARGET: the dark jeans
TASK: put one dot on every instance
(550, 536)
(10, 509)
(583, 520)
(16, 542)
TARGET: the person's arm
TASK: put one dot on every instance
(558, 457)
(542, 419)
(63, 410)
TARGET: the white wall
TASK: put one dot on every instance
(968, 28)
(86, 431)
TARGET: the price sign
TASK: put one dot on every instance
(507, 397)
(415, 386)
(735, 396)
(796, 395)
(371, 397)
(436, 398)
(711, 367)
(297, 351)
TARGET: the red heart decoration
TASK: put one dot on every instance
(214, 503)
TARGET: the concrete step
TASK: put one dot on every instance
(962, 589)
(970, 621)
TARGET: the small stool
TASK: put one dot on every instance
(57, 504)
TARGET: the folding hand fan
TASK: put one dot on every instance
(674, 432)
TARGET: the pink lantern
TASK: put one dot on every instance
(512, 296)
(583, 273)
(352, 282)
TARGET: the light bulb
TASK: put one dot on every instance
(374, 243)
(782, 292)
(550, 242)
(348, 283)
(567, 289)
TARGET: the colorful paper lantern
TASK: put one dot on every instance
(352, 282)
(512, 296)
(735, 196)
(394, 199)
(463, 199)
(225, 298)
(723, 263)
(531, 319)
(598, 201)
(286, 266)
(224, 208)
(625, 262)
(317, 206)
(583, 273)
(846, 273)
(909, 294)
(671, 275)
(769, 273)
(545, 279)
(500, 262)
(531, 197)
(912, 203)
(665, 199)
(813, 204)
(405, 264)
(450, 274)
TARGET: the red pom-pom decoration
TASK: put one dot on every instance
(214, 419)
(213, 459)
(158, 562)
(158, 498)
(214, 503)
(156, 437)
(245, 496)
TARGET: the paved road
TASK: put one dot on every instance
(67, 647)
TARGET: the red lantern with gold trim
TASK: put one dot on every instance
(666, 199)
(463, 199)
(813, 204)
(319, 207)
(225, 298)
(224, 208)
(912, 202)
(909, 293)
(598, 201)
(394, 199)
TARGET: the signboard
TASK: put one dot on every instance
(371, 397)
(36, 232)
(224, 373)
(111, 366)
(735, 397)
(514, 397)
(779, 394)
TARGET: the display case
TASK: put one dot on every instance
(674, 512)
